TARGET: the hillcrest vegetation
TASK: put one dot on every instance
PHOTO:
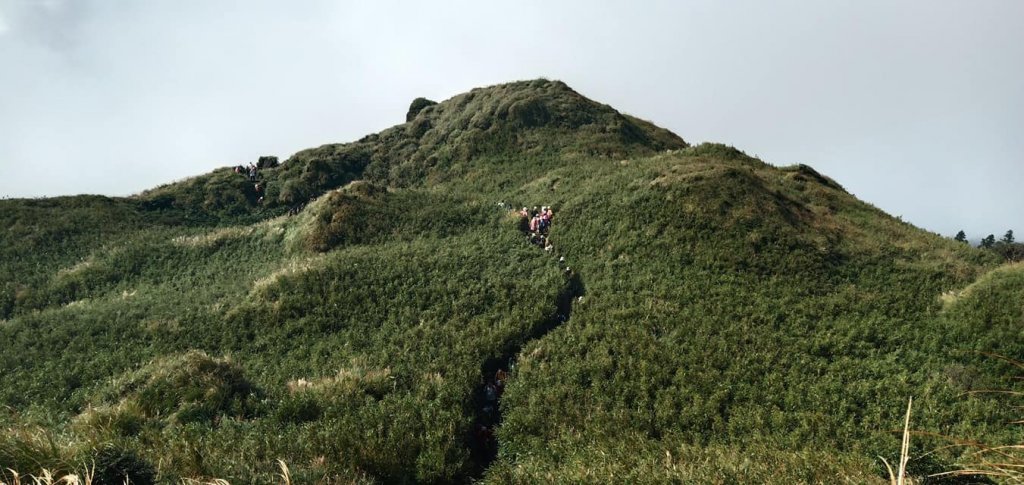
(693, 314)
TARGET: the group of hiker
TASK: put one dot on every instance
(259, 185)
(538, 224)
(253, 173)
(489, 417)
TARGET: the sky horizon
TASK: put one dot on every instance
(913, 107)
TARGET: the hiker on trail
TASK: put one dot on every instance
(484, 444)
(491, 392)
(499, 381)
(543, 220)
(484, 436)
(489, 413)
(534, 221)
(490, 407)
(524, 213)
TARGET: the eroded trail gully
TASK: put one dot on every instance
(496, 372)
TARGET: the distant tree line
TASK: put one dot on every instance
(1006, 247)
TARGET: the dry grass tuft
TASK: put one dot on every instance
(900, 477)
(77, 268)
(292, 267)
(215, 237)
(286, 478)
(195, 481)
(46, 477)
(353, 377)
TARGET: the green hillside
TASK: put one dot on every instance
(715, 318)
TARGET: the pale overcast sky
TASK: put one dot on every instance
(914, 106)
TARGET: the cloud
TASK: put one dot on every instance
(920, 118)
(54, 24)
(53, 5)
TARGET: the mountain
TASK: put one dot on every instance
(700, 315)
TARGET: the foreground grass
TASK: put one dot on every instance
(88, 477)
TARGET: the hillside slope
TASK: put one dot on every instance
(730, 320)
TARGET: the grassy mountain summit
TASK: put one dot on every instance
(523, 128)
(715, 318)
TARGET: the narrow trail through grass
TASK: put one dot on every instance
(495, 372)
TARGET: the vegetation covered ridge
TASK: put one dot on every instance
(462, 137)
(346, 309)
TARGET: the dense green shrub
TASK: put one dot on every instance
(1010, 252)
(267, 162)
(299, 408)
(364, 212)
(183, 389)
(118, 466)
(416, 106)
(309, 173)
(208, 198)
(8, 291)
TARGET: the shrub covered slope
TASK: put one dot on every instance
(737, 321)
